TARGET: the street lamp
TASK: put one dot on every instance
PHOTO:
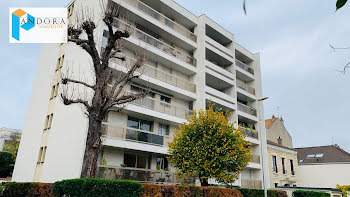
(261, 145)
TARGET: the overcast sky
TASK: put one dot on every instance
(298, 66)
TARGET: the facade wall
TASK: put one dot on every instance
(324, 175)
(277, 130)
(280, 178)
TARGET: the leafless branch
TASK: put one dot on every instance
(68, 80)
(338, 48)
(347, 66)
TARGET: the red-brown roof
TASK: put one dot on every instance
(331, 154)
(279, 145)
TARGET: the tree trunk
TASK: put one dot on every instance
(92, 148)
(204, 182)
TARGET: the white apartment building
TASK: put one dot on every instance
(191, 60)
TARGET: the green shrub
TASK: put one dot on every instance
(260, 193)
(6, 164)
(97, 188)
(302, 193)
(19, 189)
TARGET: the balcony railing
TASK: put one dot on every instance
(163, 19)
(256, 159)
(249, 132)
(140, 175)
(252, 184)
(161, 75)
(245, 87)
(244, 67)
(137, 135)
(163, 107)
(246, 109)
(142, 36)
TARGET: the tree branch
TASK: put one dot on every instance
(67, 101)
(65, 81)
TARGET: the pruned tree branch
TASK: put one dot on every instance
(68, 101)
(65, 81)
(347, 66)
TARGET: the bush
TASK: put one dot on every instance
(260, 193)
(6, 164)
(19, 189)
(302, 193)
(97, 187)
(150, 190)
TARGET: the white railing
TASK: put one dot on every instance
(142, 36)
(162, 107)
(161, 75)
(246, 109)
(163, 19)
(245, 87)
(244, 67)
(137, 135)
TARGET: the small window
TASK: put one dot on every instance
(274, 163)
(276, 184)
(165, 99)
(311, 156)
(163, 129)
(162, 163)
(301, 161)
(319, 155)
(40, 154)
(283, 166)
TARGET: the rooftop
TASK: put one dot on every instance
(322, 154)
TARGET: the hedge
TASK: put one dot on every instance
(97, 188)
(302, 193)
(151, 190)
(260, 193)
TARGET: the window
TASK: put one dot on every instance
(190, 105)
(292, 167)
(311, 156)
(48, 121)
(164, 100)
(136, 161)
(54, 91)
(162, 163)
(42, 153)
(319, 155)
(139, 124)
(279, 140)
(283, 166)
(163, 129)
(301, 161)
(276, 184)
(274, 163)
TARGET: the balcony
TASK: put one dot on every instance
(255, 159)
(252, 184)
(162, 107)
(249, 132)
(247, 88)
(148, 39)
(246, 109)
(137, 174)
(136, 135)
(244, 67)
(163, 19)
(161, 75)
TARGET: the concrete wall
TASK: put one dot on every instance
(324, 175)
(277, 130)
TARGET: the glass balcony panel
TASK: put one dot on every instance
(140, 175)
(154, 42)
(244, 67)
(245, 87)
(249, 132)
(246, 109)
(163, 19)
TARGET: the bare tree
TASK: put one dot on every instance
(109, 84)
